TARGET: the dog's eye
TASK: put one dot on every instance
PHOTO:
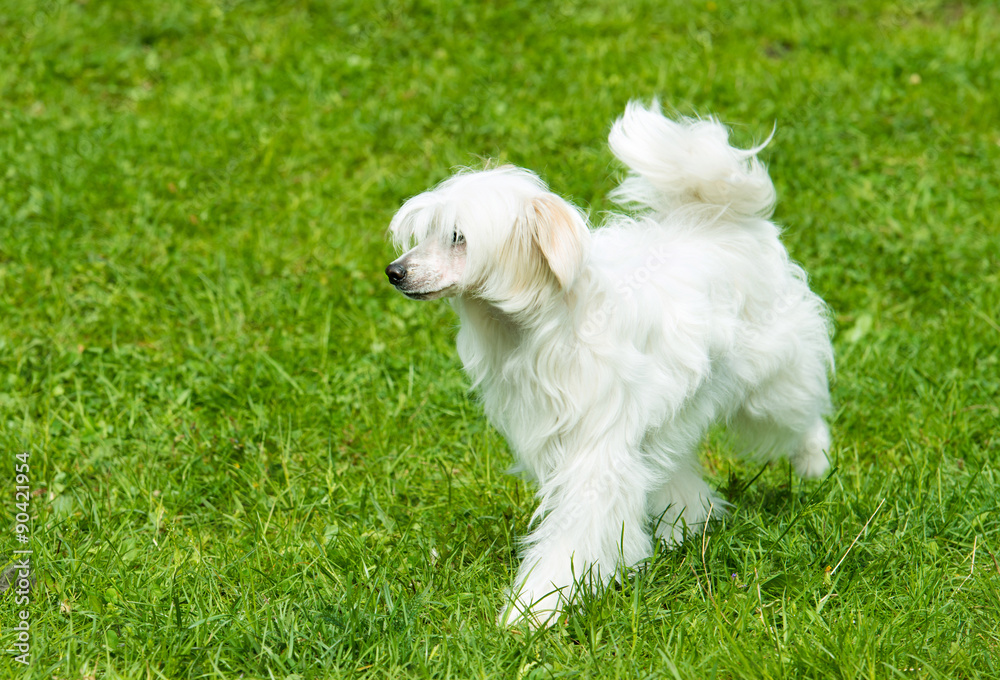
(457, 238)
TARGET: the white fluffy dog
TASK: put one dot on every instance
(604, 356)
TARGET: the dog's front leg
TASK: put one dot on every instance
(593, 516)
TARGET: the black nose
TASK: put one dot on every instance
(396, 273)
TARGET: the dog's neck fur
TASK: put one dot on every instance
(494, 331)
(508, 356)
(508, 326)
(489, 335)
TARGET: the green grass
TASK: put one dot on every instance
(251, 458)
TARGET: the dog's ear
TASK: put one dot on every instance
(560, 234)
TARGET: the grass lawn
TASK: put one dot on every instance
(249, 457)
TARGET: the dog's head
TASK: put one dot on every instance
(499, 235)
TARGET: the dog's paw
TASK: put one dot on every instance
(675, 525)
(812, 460)
(543, 612)
(811, 467)
(672, 534)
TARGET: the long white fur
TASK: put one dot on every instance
(604, 355)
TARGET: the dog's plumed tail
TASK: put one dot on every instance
(687, 163)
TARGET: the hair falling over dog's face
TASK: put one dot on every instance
(499, 235)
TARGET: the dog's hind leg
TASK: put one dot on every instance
(784, 417)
